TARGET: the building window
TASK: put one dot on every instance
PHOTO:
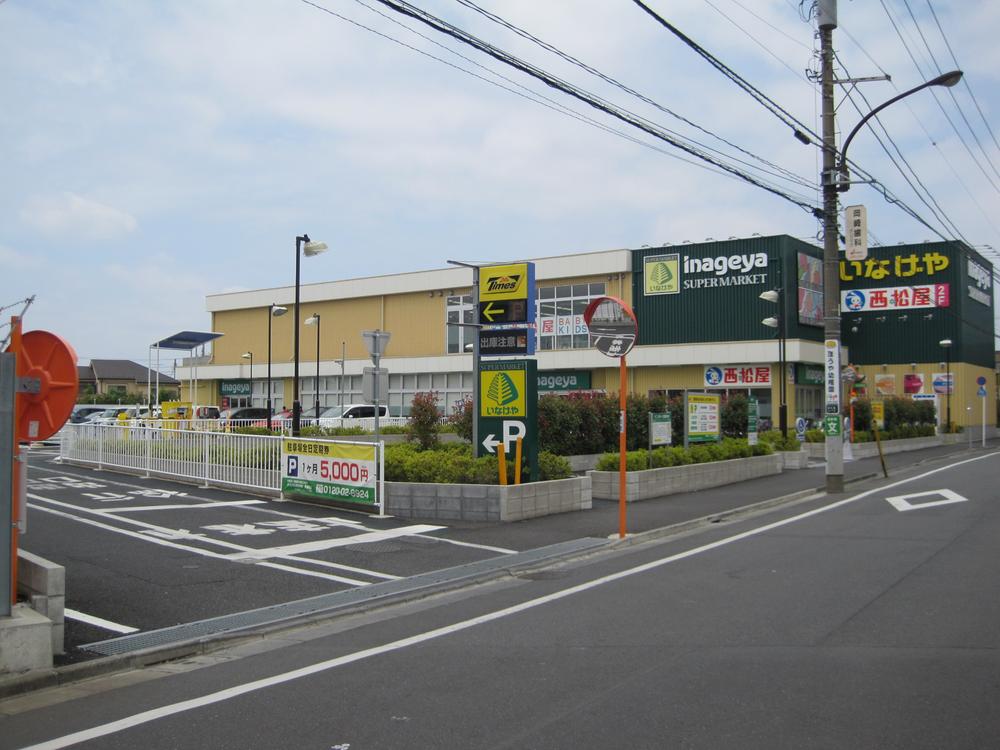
(459, 309)
(560, 315)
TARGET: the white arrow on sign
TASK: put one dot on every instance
(491, 443)
(902, 502)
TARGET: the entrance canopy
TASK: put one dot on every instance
(187, 340)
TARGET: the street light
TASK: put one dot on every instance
(309, 248)
(249, 355)
(946, 79)
(274, 311)
(776, 296)
(314, 320)
(946, 345)
(834, 179)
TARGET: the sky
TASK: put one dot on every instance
(158, 151)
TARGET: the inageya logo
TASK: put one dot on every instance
(503, 393)
(661, 274)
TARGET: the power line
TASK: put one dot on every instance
(560, 85)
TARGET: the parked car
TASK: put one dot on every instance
(241, 415)
(82, 411)
(112, 415)
(344, 416)
(276, 419)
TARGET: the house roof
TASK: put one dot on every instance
(125, 369)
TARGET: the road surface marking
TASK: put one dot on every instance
(185, 547)
(322, 544)
(172, 709)
(902, 502)
(184, 506)
(114, 627)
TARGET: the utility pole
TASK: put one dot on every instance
(827, 17)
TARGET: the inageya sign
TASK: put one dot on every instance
(507, 294)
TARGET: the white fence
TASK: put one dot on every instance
(284, 426)
(252, 461)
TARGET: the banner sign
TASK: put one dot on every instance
(564, 380)
(702, 417)
(234, 387)
(737, 376)
(856, 230)
(327, 470)
(895, 298)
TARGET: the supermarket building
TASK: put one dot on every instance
(699, 314)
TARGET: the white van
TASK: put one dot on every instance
(344, 416)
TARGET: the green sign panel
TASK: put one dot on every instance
(508, 398)
(831, 425)
(324, 470)
(234, 388)
(564, 380)
(701, 417)
(808, 374)
(752, 415)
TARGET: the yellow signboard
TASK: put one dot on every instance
(503, 282)
(661, 274)
(878, 414)
(503, 393)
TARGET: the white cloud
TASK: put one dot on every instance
(69, 215)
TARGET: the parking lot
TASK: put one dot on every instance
(142, 554)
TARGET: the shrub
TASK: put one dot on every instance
(777, 442)
(815, 436)
(558, 425)
(424, 420)
(733, 416)
(461, 420)
(551, 466)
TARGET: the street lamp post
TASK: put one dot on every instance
(274, 311)
(314, 320)
(249, 355)
(778, 322)
(306, 246)
(946, 345)
(834, 180)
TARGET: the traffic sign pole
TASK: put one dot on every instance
(622, 378)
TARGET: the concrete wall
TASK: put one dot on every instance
(43, 584)
(643, 485)
(483, 502)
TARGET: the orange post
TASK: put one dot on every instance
(517, 461)
(621, 448)
(502, 463)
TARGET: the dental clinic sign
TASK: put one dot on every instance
(670, 273)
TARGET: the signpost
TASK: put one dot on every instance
(614, 330)
(508, 409)
(981, 392)
(507, 294)
(753, 411)
(702, 415)
(348, 473)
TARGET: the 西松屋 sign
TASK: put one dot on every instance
(737, 376)
(895, 298)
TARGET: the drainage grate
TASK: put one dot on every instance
(331, 602)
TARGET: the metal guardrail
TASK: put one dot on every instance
(227, 458)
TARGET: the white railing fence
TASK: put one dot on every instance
(252, 461)
(284, 426)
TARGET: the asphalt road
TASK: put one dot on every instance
(860, 621)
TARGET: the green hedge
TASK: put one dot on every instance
(453, 463)
(640, 460)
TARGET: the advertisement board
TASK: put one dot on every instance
(701, 412)
(328, 470)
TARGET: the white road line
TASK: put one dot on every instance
(501, 550)
(175, 534)
(186, 548)
(322, 544)
(144, 717)
(182, 506)
(114, 627)
(349, 522)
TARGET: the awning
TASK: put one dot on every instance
(186, 340)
